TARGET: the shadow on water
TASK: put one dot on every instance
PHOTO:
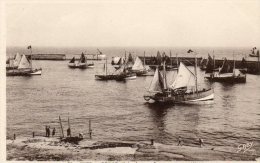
(167, 121)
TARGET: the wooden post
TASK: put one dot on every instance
(14, 136)
(61, 127)
(33, 134)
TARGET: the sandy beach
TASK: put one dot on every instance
(52, 149)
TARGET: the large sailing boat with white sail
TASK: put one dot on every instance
(184, 89)
(24, 68)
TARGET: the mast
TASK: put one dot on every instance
(31, 57)
(196, 79)
(213, 60)
(177, 60)
(144, 58)
(164, 76)
(171, 58)
(106, 66)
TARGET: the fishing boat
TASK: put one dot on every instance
(203, 64)
(227, 73)
(13, 63)
(98, 56)
(253, 53)
(140, 69)
(117, 62)
(24, 68)
(81, 64)
(120, 74)
(184, 88)
(243, 66)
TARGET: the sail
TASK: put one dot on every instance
(226, 67)
(138, 65)
(72, 60)
(24, 63)
(157, 82)
(243, 63)
(184, 78)
(82, 58)
(17, 60)
(209, 65)
(159, 58)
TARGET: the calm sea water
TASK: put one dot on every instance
(118, 110)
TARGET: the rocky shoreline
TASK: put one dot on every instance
(52, 149)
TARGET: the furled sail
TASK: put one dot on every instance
(184, 78)
(226, 67)
(209, 65)
(138, 65)
(17, 60)
(24, 63)
(157, 82)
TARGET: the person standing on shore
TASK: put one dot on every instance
(49, 131)
(53, 131)
(68, 132)
(179, 141)
(46, 131)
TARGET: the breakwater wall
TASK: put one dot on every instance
(49, 56)
(252, 66)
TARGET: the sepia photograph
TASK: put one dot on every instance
(111, 80)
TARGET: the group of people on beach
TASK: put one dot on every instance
(48, 131)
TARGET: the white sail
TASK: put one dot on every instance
(138, 65)
(17, 60)
(157, 83)
(184, 78)
(24, 63)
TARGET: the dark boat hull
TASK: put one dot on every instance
(17, 72)
(227, 79)
(201, 96)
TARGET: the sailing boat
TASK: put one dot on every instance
(24, 68)
(184, 89)
(243, 66)
(117, 62)
(13, 63)
(227, 73)
(120, 74)
(82, 63)
(140, 69)
(253, 54)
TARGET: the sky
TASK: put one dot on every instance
(134, 23)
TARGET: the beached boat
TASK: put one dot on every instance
(81, 64)
(184, 89)
(253, 53)
(227, 73)
(24, 68)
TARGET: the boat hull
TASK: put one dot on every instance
(227, 78)
(201, 96)
(18, 72)
(81, 66)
